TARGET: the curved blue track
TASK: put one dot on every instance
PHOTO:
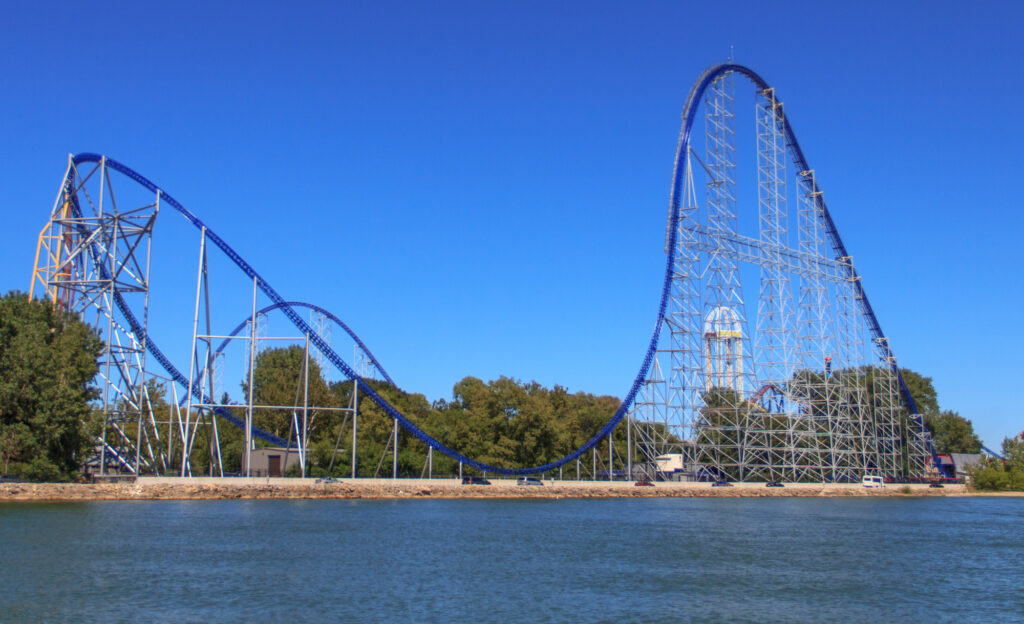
(797, 154)
(325, 312)
(689, 116)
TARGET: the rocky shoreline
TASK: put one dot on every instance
(157, 488)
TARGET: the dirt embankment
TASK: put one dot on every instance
(226, 489)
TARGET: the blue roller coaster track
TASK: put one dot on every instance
(288, 308)
(260, 433)
(327, 313)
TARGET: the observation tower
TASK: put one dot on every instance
(723, 350)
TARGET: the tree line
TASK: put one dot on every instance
(1002, 474)
(503, 422)
(49, 417)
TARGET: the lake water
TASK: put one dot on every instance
(646, 560)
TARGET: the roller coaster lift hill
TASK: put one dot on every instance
(766, 361)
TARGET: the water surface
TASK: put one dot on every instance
(643, 560)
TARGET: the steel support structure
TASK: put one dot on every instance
(92, 251)
(773, 436)
(797, 392)
(794, 380)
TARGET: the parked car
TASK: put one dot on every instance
(774, 484)
(328, 480)
(872, 481)
(643, 483)
(529, 481)
(935, 484)
(475, 481)
(722, 483)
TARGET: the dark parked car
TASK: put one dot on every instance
(774, 484)
(475, 481)
(529, 481)
(935, 484)
(644, 483)
(721, 484)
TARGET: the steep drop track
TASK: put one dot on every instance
(288, 308)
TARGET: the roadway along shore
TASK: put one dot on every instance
(203, 488)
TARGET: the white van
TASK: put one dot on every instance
(871, 481)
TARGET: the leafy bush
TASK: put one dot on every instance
(1002, 475)
(38, 469)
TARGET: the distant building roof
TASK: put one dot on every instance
(963, 460)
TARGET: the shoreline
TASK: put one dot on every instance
(206, 488)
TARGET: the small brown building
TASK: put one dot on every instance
(272, 461)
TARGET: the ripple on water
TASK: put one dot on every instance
(626, 560)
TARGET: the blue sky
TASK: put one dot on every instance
(480, 188)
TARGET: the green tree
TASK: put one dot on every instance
(923, 391)
(47, 361)
(1013, 452)
(1005, 474)
(952, 433)
(280, 380)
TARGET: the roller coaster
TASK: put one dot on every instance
(803, 386)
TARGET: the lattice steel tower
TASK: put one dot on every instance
(770, 363)
(92, 259)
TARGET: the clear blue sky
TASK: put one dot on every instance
(480, 188)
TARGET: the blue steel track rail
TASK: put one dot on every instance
(302, 304)
(133, 322)
(343, 367)
(797, 154)
(689, 115)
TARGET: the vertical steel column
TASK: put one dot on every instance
(170, 426)
(773, 357)
(208, 378)
(394, 465)
(650, 419)
(684, 402)
(629, 450)
(147, 406)
(110, 324)
(305, 406)
(855, 411)
(186, 464)
(355, 423)
(720, 440)
(611, 448)
(820, 435)
(252, 381)
(886, 414)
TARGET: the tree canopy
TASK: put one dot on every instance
(47, 361)
(1005, 474)
(922, 390)
(505, 422)
(952, 433)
